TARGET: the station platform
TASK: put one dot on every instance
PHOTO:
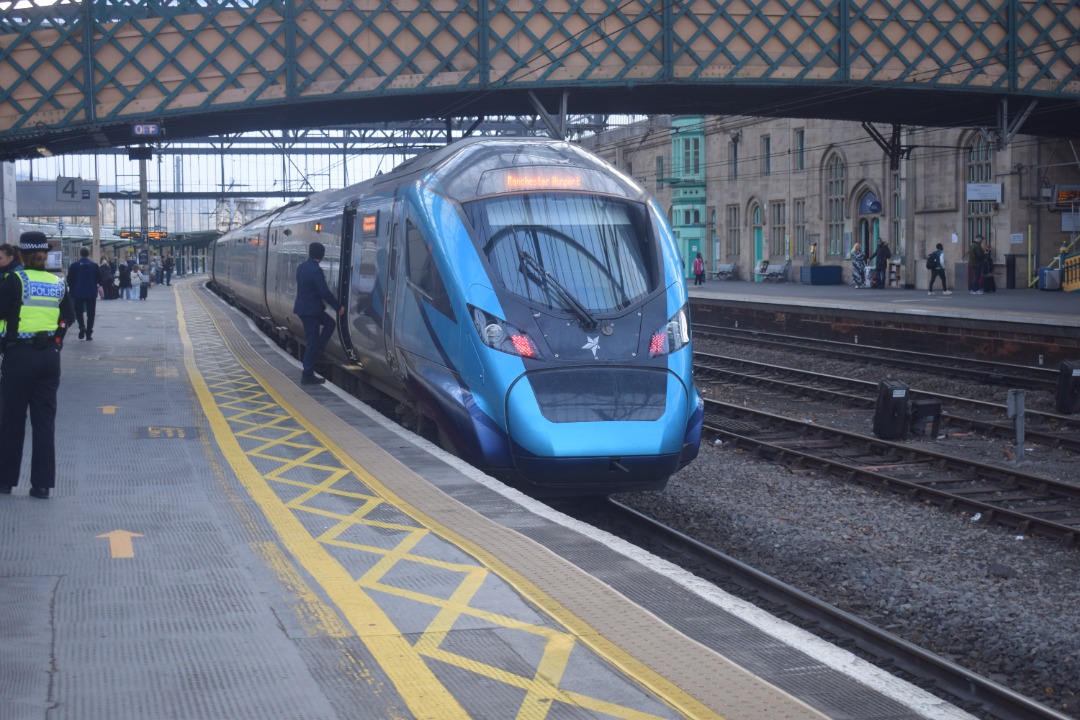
(1045, 308)
(225, 543)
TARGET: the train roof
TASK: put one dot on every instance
(476, 167)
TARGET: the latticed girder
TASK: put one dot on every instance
(101, 64)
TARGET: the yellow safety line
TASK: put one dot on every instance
(425, 696)
(371, 623)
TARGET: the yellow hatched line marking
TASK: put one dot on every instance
(405, 668)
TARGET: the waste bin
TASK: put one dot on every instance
(1049, 279)
(1010, 272)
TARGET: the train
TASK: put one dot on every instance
(521, 297)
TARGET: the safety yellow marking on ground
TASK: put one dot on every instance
(241, 409)
(120, 545)
(312, 613)
(108, 409)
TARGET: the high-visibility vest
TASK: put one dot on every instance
(41, 295)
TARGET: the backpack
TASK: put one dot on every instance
(931, 262)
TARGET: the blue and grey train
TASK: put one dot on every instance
(520, 294)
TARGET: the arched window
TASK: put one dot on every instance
(980, 161)
(835, 197)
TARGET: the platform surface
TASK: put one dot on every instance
(1037, 307)
(225, 543)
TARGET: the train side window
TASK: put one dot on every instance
(423, 273)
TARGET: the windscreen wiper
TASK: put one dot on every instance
(529, 262)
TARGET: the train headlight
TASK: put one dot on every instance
(500, 335)
(672, 335)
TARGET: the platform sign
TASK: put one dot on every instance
(1070, 222)
(984, 192)
(69, 197)
(69, 189)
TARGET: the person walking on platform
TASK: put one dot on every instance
(82, 280)
(935, 263)
(312, 296)
(858, 267)
(699, 270)
(106, 279)
(976, 259)
(38, 311)
(881, 262)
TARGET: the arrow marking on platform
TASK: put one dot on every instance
(120, 545)
(108, 409)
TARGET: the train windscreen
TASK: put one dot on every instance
(561, 250)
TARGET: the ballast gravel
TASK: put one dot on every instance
(1004, 605)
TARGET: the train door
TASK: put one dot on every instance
(348, 224)
(392, 274)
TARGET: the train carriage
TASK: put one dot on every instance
(521, 295)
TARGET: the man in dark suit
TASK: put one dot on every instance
(312, 295)
(82, 280)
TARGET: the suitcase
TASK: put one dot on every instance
(988, 284)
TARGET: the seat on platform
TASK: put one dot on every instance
(775, 273)
(724, 271)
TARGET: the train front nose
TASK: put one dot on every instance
(579, 430)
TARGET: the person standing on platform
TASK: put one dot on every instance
(312, 296)
(699, 270)
(976, 259)
(858, 267)
(38, 311)
(125, 281)
(881, 261)
(144, 286)
(10, 261)
(82, 280)
(167, 266)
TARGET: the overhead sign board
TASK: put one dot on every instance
(1066, 197)
(64, 197)
(146, 130)
(984, 192)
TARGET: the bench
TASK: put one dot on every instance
(775, 273)
(724, 272)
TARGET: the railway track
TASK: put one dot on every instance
(966, 686)
(1053, 430)
(980, 371)
(1028, 504)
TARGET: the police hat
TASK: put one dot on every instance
(33, 240)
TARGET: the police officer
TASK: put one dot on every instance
(37, 309)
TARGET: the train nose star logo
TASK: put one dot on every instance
(592, 344)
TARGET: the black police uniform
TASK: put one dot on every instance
(29, 379)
